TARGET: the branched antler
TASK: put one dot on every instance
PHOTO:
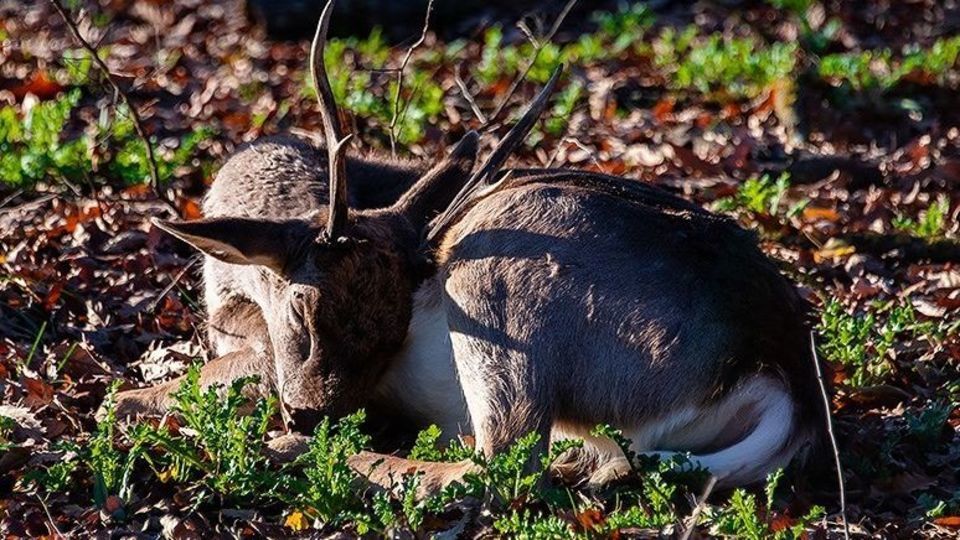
(332, 130)
(497, 158)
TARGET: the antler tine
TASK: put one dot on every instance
(500, 153)
(332, 130)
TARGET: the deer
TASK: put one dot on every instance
(497, 302)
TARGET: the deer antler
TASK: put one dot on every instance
(498, 157)
(332, 130)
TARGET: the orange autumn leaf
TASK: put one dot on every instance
(812, 213)
(781, 522)
(189, 209)
(40, 85)
(589, 519)
(952, 522)
(663, 109)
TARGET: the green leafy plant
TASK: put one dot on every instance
(880, 69)
(861, 342)
(399, 509)
(515, 475)
(30, 145)
(217, 447)
(563, 107)
(743, 517)
(933, 223)
(926, 426)
(421, 100)
(41, 145)
(761, 195)
(739, 67)
(110, 467)
(57, 477)
(328, 491)
(6, 430)
(527, 525)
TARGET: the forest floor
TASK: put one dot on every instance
(831, 128)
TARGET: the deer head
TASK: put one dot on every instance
(337, 289)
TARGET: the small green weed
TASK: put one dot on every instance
(735, 68)
(881, 69)
(933, 223)
(743, 517)
(111, 468)
(6, 431)
(328, 490)
(926, 426)
(762, 196)
(427, 447)
(41, 145)
(58, 477)
(351, 64)
(30, 145)
(218, 449)
(861, 342)
(527, 525)
(932, 507)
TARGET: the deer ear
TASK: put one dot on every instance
(436, 189)
(235, 240)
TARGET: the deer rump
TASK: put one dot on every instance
(565, 299)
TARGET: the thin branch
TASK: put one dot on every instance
(522, 25)
(536, 54)
(53, 524)
(403, 67)
(118, 93)
(590, 152)
(701, 504)
(173, 283)
(833, 438)
(484, 176)
(467, 95)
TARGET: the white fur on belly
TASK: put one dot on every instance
(422, 380)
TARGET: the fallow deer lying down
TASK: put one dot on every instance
(538, 300)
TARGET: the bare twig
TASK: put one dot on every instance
(118, 93)
(536, 54)
(590, 152)
(833, 438)
(403, 67)
(53, 524)
(701, 504)
(467, 95)
(522, 25)
(6, 200)
(173, 283)
(486, 173)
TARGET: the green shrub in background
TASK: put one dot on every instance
(40, 144)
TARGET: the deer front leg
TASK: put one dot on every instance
(238, 334)
(506, 398)
(157, 400)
